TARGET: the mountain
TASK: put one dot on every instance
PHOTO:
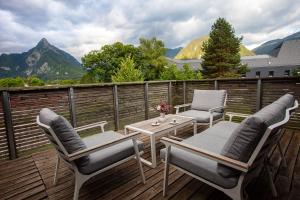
(272, 47)
(171, 53)
(194, 49)
(44, 60)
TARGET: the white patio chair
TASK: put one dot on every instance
(89, 156)
(206, 108)
(228, 156)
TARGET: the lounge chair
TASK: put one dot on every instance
(92, 155)
(228, 155)
(207, 107)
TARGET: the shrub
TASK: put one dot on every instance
(12, 82)
(34, 81)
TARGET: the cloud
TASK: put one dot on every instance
(81, 26)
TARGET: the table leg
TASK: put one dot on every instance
(153, 150)
(195, 128)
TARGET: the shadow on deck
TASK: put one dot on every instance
(31, 177)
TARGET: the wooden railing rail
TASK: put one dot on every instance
(122, 103)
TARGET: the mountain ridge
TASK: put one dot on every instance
(44, 60)
(193, 50)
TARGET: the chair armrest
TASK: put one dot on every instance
(241, 166)
(216, 108)
(181, 106)
(95, 148)
(93, 125)
(234, 114)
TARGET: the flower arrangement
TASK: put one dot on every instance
(163, 107)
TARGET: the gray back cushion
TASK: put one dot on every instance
(206, 99)
(47, 116)
(64, 132)
(242, 143)
(245, 138)
(287, 100)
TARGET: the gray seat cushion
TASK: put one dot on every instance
(108, 156)
(212, 139)
(245, 138)
(207, 99)
(64, 131)
(201, 116)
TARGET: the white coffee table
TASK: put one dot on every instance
(146, 128)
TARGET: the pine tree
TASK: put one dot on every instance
(221, 51)
(127, 72)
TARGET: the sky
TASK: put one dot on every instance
(79, 26)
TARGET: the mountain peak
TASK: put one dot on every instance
(43, 43)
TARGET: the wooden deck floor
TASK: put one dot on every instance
(31, 177)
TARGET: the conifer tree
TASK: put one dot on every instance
(221, 52)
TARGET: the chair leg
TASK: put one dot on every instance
(78, 183)
(166, 172)
(270, 179)
(138, 159)
(56, 170)
(282, 155)
(195, 128)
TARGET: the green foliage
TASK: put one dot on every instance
(34, 81)
(186, 73)
(221, 51)
(64, 82)
(127, 72)
(153, 57)
(88, 78)
(12, 82)
(102, 64)
(296, 72)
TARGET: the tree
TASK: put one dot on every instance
(34, 81)
(153, 57)
(221, 52)
(171, 72)
(103, 63)
(127, 72)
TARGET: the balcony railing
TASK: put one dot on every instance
(121, 104)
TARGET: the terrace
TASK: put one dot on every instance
(28, 161)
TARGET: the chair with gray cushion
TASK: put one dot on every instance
(92, 155)
(207, 107)
(229, 155)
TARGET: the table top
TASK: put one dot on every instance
(147, 127)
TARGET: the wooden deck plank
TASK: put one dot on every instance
(31, 177)
(283, 179)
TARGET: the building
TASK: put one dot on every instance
(285, 60)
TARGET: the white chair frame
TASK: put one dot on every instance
(237, 192)
(67, 158)
(211, 120)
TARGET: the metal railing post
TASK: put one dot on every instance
(216, 85)
(170, 93)
(184, 92)
(146, 86)
(9, 125)
(116, 107)
(72, 107)
(258, 95)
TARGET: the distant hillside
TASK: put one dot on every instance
(194, 49)
(272, 47)
(171, 53)
(44, 60)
